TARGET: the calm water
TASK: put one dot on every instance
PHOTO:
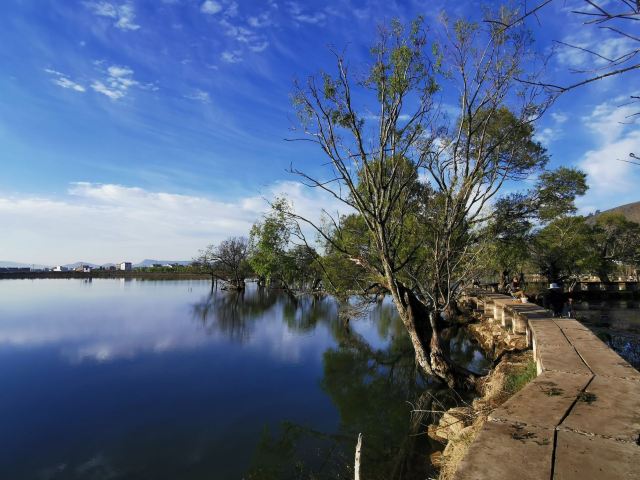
(115, 379)
(615, 322)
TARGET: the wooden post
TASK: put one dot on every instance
(356, 468)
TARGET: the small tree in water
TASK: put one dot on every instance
(419, 184)
(226, 261)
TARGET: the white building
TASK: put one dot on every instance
(124, 266)
(59, 268)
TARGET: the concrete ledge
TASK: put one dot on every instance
(544, 402)
(610, 408)
(508, 451)
(581, 457)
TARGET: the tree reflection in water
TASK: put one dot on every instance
(373, 389)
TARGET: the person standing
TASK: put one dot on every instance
(554, 299)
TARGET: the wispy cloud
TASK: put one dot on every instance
(124, 14)
(260, 21)
(64, 81)
(229, 56)
(245, 36)
(117, 82)
(303, 16)
(199, 95)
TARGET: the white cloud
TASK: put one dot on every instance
(559, 117)
(123, 14)
(118, 79)
(63, 81)
(583, 50)
(612, 181)
(245, 36)
(106, 222)
(229, 56)
(211, 7)
(546, 136)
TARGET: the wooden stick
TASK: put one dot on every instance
(357, 463)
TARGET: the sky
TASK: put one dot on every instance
(134, 129)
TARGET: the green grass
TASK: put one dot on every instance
(519, 377)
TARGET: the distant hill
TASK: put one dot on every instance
(8, 264)
(631, 211)
(78, 264)
(150, 262)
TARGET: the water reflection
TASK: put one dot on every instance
(617, 323)
(170, 380)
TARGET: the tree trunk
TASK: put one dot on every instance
(424, 332)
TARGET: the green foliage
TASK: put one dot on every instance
(517, 378)
(557, 191)
(272, 255)
(268, 242)
(563, 249)
(616, 240)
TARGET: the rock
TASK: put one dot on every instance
(436, 459)
(452, 422)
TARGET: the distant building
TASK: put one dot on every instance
(84, 268)
(60, 268)
(126, 266)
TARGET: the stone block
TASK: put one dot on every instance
(580, 457)
(544, 401)
(508, 451)
(609, 407)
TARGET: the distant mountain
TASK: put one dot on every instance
(78, 264)
(631, 211)
(7, 264)
(150, 262)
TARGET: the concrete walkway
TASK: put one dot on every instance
(578, 419)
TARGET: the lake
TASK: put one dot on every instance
(133, 379)
(616, 322)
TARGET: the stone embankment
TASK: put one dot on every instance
(578, 419)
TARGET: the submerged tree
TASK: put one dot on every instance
(273, 256)
(420, 184)
(226, 261)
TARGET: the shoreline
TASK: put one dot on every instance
(105, 274)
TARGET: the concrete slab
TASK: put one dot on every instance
(508, 451)
(610, 407)
(580, 457)
(544, 401)
(580, 335)
(569, 324)
(560, 358)
(605, 362)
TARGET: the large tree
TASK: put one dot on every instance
(420, 182)
(615, 241)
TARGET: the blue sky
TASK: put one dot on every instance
(150, 128)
